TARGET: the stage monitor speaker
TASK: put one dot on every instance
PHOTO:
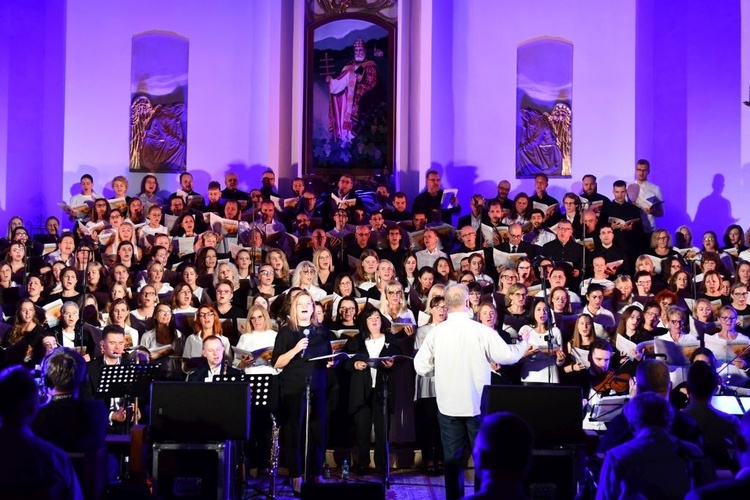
(553, 411)
(552, 474)
(192, 471)
(197, 412)
(343, 491)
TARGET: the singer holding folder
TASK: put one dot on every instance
(366, 395)
(298, 340)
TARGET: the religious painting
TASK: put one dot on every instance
(544, 95)
(158, 103)
(349, 85)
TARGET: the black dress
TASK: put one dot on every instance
(293, 379)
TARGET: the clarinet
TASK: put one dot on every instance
(274, 462)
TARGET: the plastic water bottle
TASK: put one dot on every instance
(326, 470)
(345, 470)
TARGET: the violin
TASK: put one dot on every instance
(611, 381)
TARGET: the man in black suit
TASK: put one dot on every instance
(477, 217)
(394, 251)
(67, 421)
(541, 182)
(113, 349)
(628, 230)
(430, 199)
(216, 364)
(232, 192)
(740, 485)
(343, 198)
(399, 212)
(515, 243)
(566, 249)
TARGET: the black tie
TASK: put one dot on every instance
(512, 249)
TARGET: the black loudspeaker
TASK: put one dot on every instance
(553, 474)
(553, 411)
(192, 471)
(343, 491)
(198, 412)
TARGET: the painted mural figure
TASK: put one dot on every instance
(157, 137)
(538, 151)
(351, 94)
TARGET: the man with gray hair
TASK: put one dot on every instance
(653, 464)
(458, 353)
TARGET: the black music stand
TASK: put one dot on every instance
(229, 378)
(263, 399)
(127, 381)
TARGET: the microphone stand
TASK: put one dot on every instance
(82, 307)
(548, 324)
(387, 442)
(582, 207)
(308, 382)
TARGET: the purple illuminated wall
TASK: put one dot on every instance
(474, 89)
(32, 55)
(688, 110)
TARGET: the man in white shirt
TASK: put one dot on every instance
(459, 351)
(431, 253)
(647, 197)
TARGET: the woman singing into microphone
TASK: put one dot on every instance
(297, 341)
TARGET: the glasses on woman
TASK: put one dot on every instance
(208, 314)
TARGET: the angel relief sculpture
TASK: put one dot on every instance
(157, 138)
(546, 140)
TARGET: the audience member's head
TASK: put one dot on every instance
(652, 375)
(648, 409)
(502, 449)
(64, 371)
(702, 381)
(20, 400)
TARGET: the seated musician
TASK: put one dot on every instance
(652, 375)
(604, 381)
(213, 351)
(113, 348)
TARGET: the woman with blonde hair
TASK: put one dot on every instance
(305, 277)
(384, 273)
(323, 261)
(280, 265)
(259, 333)
(298, 341)
(364, 276)
(394, 306)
